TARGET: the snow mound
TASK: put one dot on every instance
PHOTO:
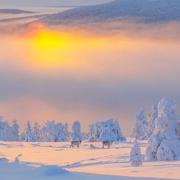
(53, 171)
(33, 169)
(3, 160)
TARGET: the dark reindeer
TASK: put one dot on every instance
(75, 144)
(107, 144)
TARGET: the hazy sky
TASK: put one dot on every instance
(85, 77)
(86, 74)
(49, 2)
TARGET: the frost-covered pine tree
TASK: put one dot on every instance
(154, 112)
(151, 120)
(29, 133)
(76, 131)
(48, 131)
(64, 132)
(36, 132)
(22, 136)
(136, 158)
(2, 129)
(150, 125)
(164, 144)
(95, 131)
(5, 130)
(141, 127)
(178, 129)
(15, 131)
(61, 132)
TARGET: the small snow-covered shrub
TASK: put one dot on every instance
(3, 160)
(136, 158)
(52, 170)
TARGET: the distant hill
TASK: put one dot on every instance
(14, 11)
(143, 10)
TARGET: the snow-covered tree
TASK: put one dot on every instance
(136, 158)
(76, 131)
(29, 133)
(116, 130)
(22, 136)
(150, 124)
(107, 135)
(154, 112)
(151, 120)
(164, 144)
(178, 129)
(6, 131)
(141, 128)
(2, 129)
(109, 127)
(36, 131)
(54, 132)
(64, 132)
(95, 131)
(14, 131)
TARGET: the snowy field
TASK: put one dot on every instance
(40, 160)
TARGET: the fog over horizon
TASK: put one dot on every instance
(89, 76)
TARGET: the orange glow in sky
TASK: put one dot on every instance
(50, 49)
(58, 74)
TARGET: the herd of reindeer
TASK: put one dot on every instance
(104, 144)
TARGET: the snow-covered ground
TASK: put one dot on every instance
(40, 160)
